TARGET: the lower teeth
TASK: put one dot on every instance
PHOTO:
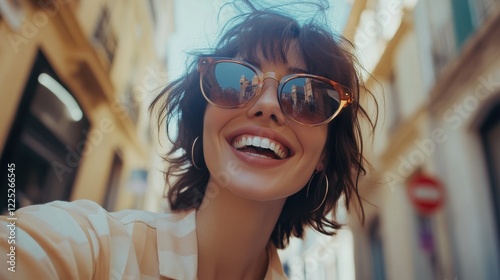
(258, 155)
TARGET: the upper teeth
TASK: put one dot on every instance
(260, 142)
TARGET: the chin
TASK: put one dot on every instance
(261, 189)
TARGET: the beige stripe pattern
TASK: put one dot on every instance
(81, 240)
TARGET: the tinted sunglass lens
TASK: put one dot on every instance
(229, 84)
(309, 100)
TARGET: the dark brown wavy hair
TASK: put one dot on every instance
(181, 105)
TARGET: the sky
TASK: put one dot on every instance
(196, 27)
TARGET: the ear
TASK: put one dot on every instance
(320, 165)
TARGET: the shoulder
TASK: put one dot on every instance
(82, 238)
(87, 211)
(61, 216)
(91, 211)
(63, 209)
(75, 206)
(155, 220)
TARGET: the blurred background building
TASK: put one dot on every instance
(433, 198)
(77, 77)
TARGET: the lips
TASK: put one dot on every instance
(260, 146)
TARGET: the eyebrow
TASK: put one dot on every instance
(296, 70)
(290, 70)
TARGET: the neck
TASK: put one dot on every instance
(233, 234)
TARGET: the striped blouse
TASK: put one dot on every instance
(81, 240)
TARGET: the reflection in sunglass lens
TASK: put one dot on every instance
(309, 100)
(229, 84)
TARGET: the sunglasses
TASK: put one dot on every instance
(306, 99)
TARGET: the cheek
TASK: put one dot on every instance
(212, 124)
(211, 143)
(213, 120)
(210, 113)
(313, 141)
(215, 116)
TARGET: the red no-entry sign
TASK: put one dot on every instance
(426, 193)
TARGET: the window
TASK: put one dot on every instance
(104, 36)
(462, 21)
(152, 9)
(393, 105)
(377, 250)
(130, 104)
(46, 139)
(490, 135)
(441, 28)
(443, 46)
(481, 9)
(113, 182)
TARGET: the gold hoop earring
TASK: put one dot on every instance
(192, 153)
(326, 191)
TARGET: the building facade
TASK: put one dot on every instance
(434, 67)
(77, 77)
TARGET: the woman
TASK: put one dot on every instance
(268, 140)
(268, 122)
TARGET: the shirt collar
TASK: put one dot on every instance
(178, 248)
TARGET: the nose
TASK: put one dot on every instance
(267, 106)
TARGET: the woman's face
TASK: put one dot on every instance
(289, 152)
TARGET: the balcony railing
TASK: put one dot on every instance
(481, 9)
(443, 45)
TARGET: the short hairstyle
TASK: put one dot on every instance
(182, 105)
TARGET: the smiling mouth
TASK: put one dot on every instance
(260, 147)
